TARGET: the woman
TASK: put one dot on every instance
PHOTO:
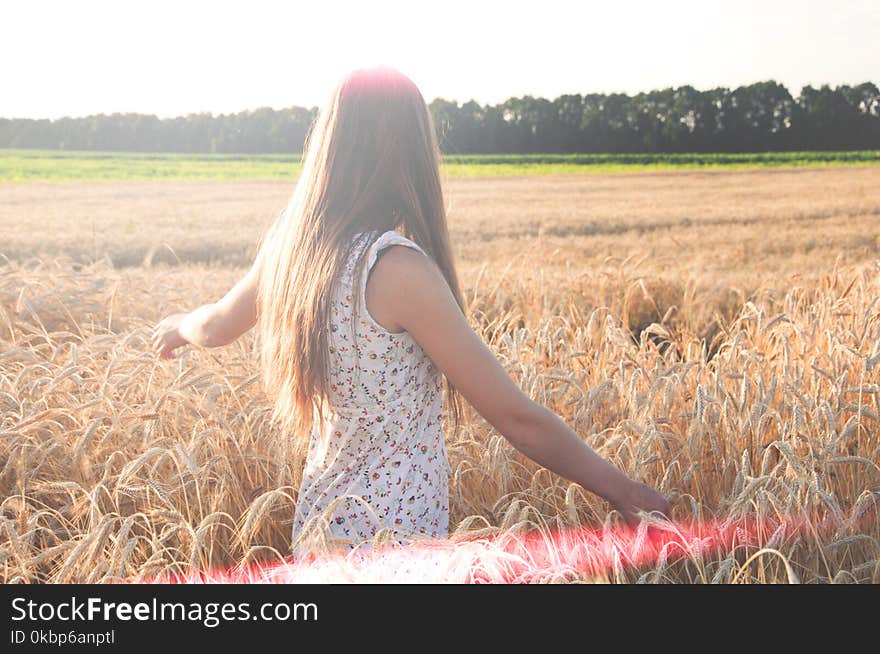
(360, 318)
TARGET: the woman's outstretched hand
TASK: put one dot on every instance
(640, 497)
(210, 325)
(167, 338)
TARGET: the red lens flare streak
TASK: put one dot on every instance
(519, 558)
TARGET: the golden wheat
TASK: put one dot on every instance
(756, 400)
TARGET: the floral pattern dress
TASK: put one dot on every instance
(378, 461)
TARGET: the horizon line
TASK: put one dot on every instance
(316, 107)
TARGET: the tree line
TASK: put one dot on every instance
(755, 118)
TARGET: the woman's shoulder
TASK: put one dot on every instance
(384, 245)
(393, 237)
(366, 249)
(393, 261)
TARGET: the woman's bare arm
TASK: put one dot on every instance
(406, 291)
(211, 325)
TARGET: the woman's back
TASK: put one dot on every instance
(379, 459)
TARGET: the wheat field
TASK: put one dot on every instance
(715, 334)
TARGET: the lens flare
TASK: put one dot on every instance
(538, 556)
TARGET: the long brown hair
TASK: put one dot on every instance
(371, 162)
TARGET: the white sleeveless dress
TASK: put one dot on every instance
(379, 459)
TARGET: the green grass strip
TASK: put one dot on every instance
(68, 166)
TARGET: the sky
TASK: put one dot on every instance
(172, 58)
